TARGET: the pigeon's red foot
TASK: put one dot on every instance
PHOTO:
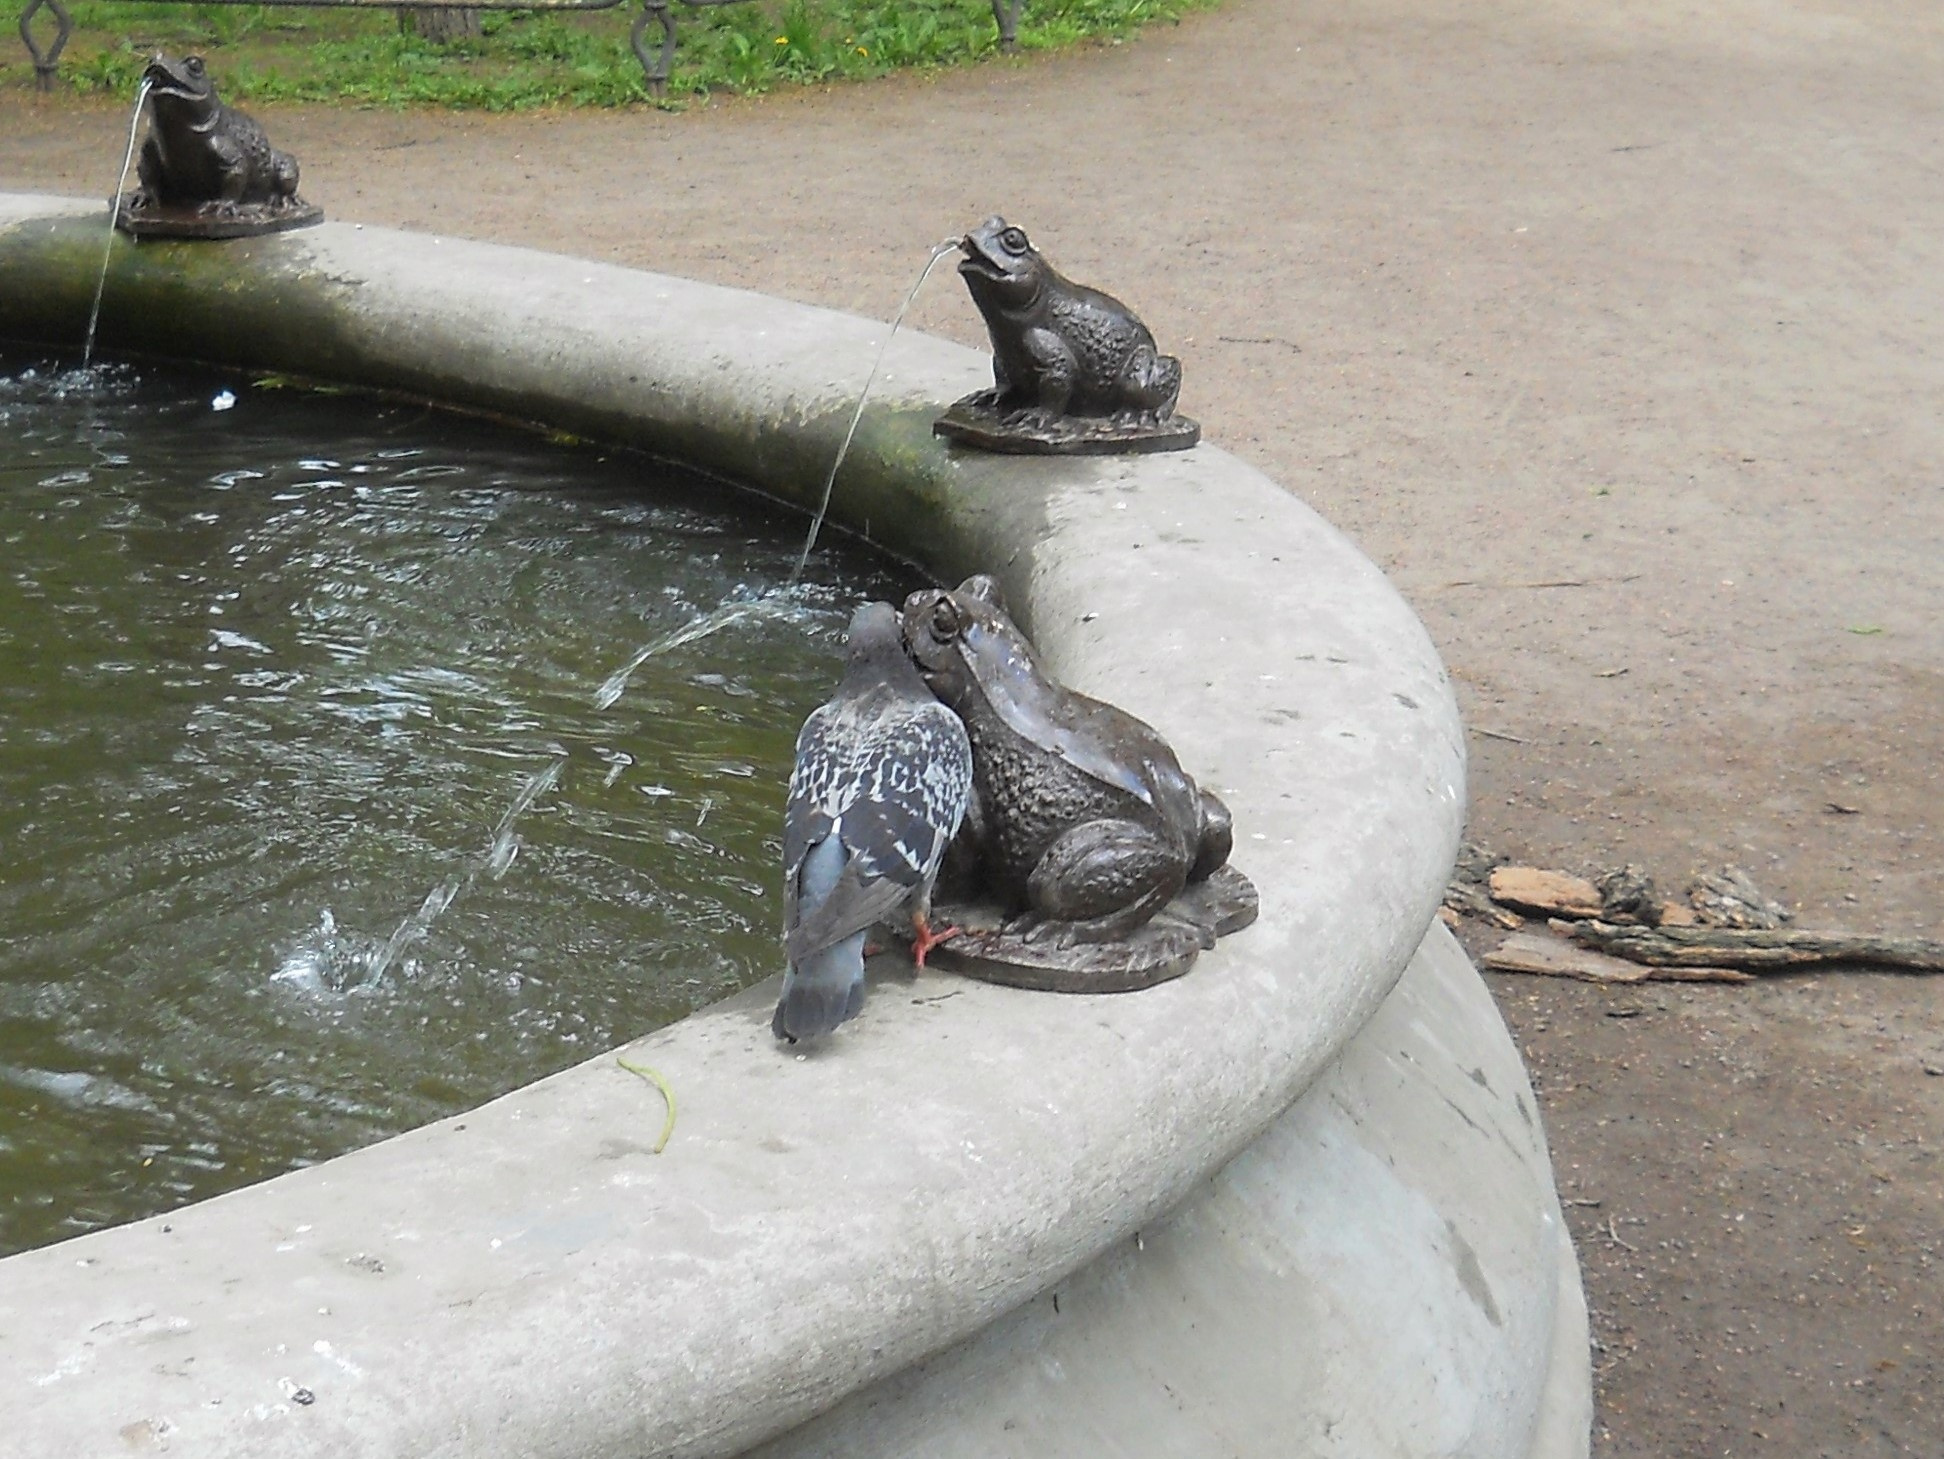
(923, 940)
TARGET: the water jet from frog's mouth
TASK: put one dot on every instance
(114, 208)
(939, 250)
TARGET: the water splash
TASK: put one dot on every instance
(339, 960)
(114, 207)
(770, 605)
(330, 959)
(939, 250)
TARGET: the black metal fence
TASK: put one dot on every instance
(654, 64)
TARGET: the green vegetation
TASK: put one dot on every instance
(525, 60)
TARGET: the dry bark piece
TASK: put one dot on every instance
(1730, 898)
(1462, 899)
(1763, 949)
(1474, 864)
(1548, 893)
(1529, 952)
(1628, 894)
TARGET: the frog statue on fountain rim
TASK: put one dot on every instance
(206, 169)
(1088, 861)
(1075, 372)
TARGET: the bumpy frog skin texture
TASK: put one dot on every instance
(200, 154)
(1086, 824)
(1059, 349)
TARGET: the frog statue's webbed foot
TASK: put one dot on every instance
(1098, 882)
(1031, 418)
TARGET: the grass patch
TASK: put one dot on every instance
(526, 60)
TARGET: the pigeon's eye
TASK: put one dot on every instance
(1013, 240)
(945, 620)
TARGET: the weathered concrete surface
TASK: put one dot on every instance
(1358, 1282)
(526, 1278)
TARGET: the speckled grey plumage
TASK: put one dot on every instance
(881, 780)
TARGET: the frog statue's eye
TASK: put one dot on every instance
(945, 620)
(1013, 240)
(193, 65)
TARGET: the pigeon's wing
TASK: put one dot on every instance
(914, 807)
(828, 897)
(817, 783)
(913, 773)
(819, 791)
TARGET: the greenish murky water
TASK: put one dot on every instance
(316, 821)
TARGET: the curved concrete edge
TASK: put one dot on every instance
(1359, 1281)
(526, 1278)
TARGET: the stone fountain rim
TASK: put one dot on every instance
(527, 1277)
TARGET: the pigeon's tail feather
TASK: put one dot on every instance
(821, 992)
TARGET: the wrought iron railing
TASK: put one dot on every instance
(655, 65)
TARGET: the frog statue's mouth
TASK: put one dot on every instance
(976, 263)
(167, 79)
(981, 274)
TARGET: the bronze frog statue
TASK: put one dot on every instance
(1058, 348)
(1084, 823)
(203, 156)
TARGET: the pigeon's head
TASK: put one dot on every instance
(873, 633)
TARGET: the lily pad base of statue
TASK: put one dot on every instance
(136, 216)
(984, 427)
(1163, 948)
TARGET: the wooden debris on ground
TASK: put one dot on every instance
(1463, 900)
(1628, 894)
(1730, 898)
(1763, 949)
(1530, 952)
(1618, 929)
(1466, 895)
(1544, 893)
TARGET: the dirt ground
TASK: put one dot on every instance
(1616, 334)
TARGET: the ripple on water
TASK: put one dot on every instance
(357, 765)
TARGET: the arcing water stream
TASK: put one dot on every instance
(114, 209)
(939, 250)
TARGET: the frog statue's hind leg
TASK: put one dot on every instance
(1149, 385)
(283, 179)
(1099, 881)
(1217, 837)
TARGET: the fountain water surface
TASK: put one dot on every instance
(269, 671)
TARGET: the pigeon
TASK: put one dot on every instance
(882, 778)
